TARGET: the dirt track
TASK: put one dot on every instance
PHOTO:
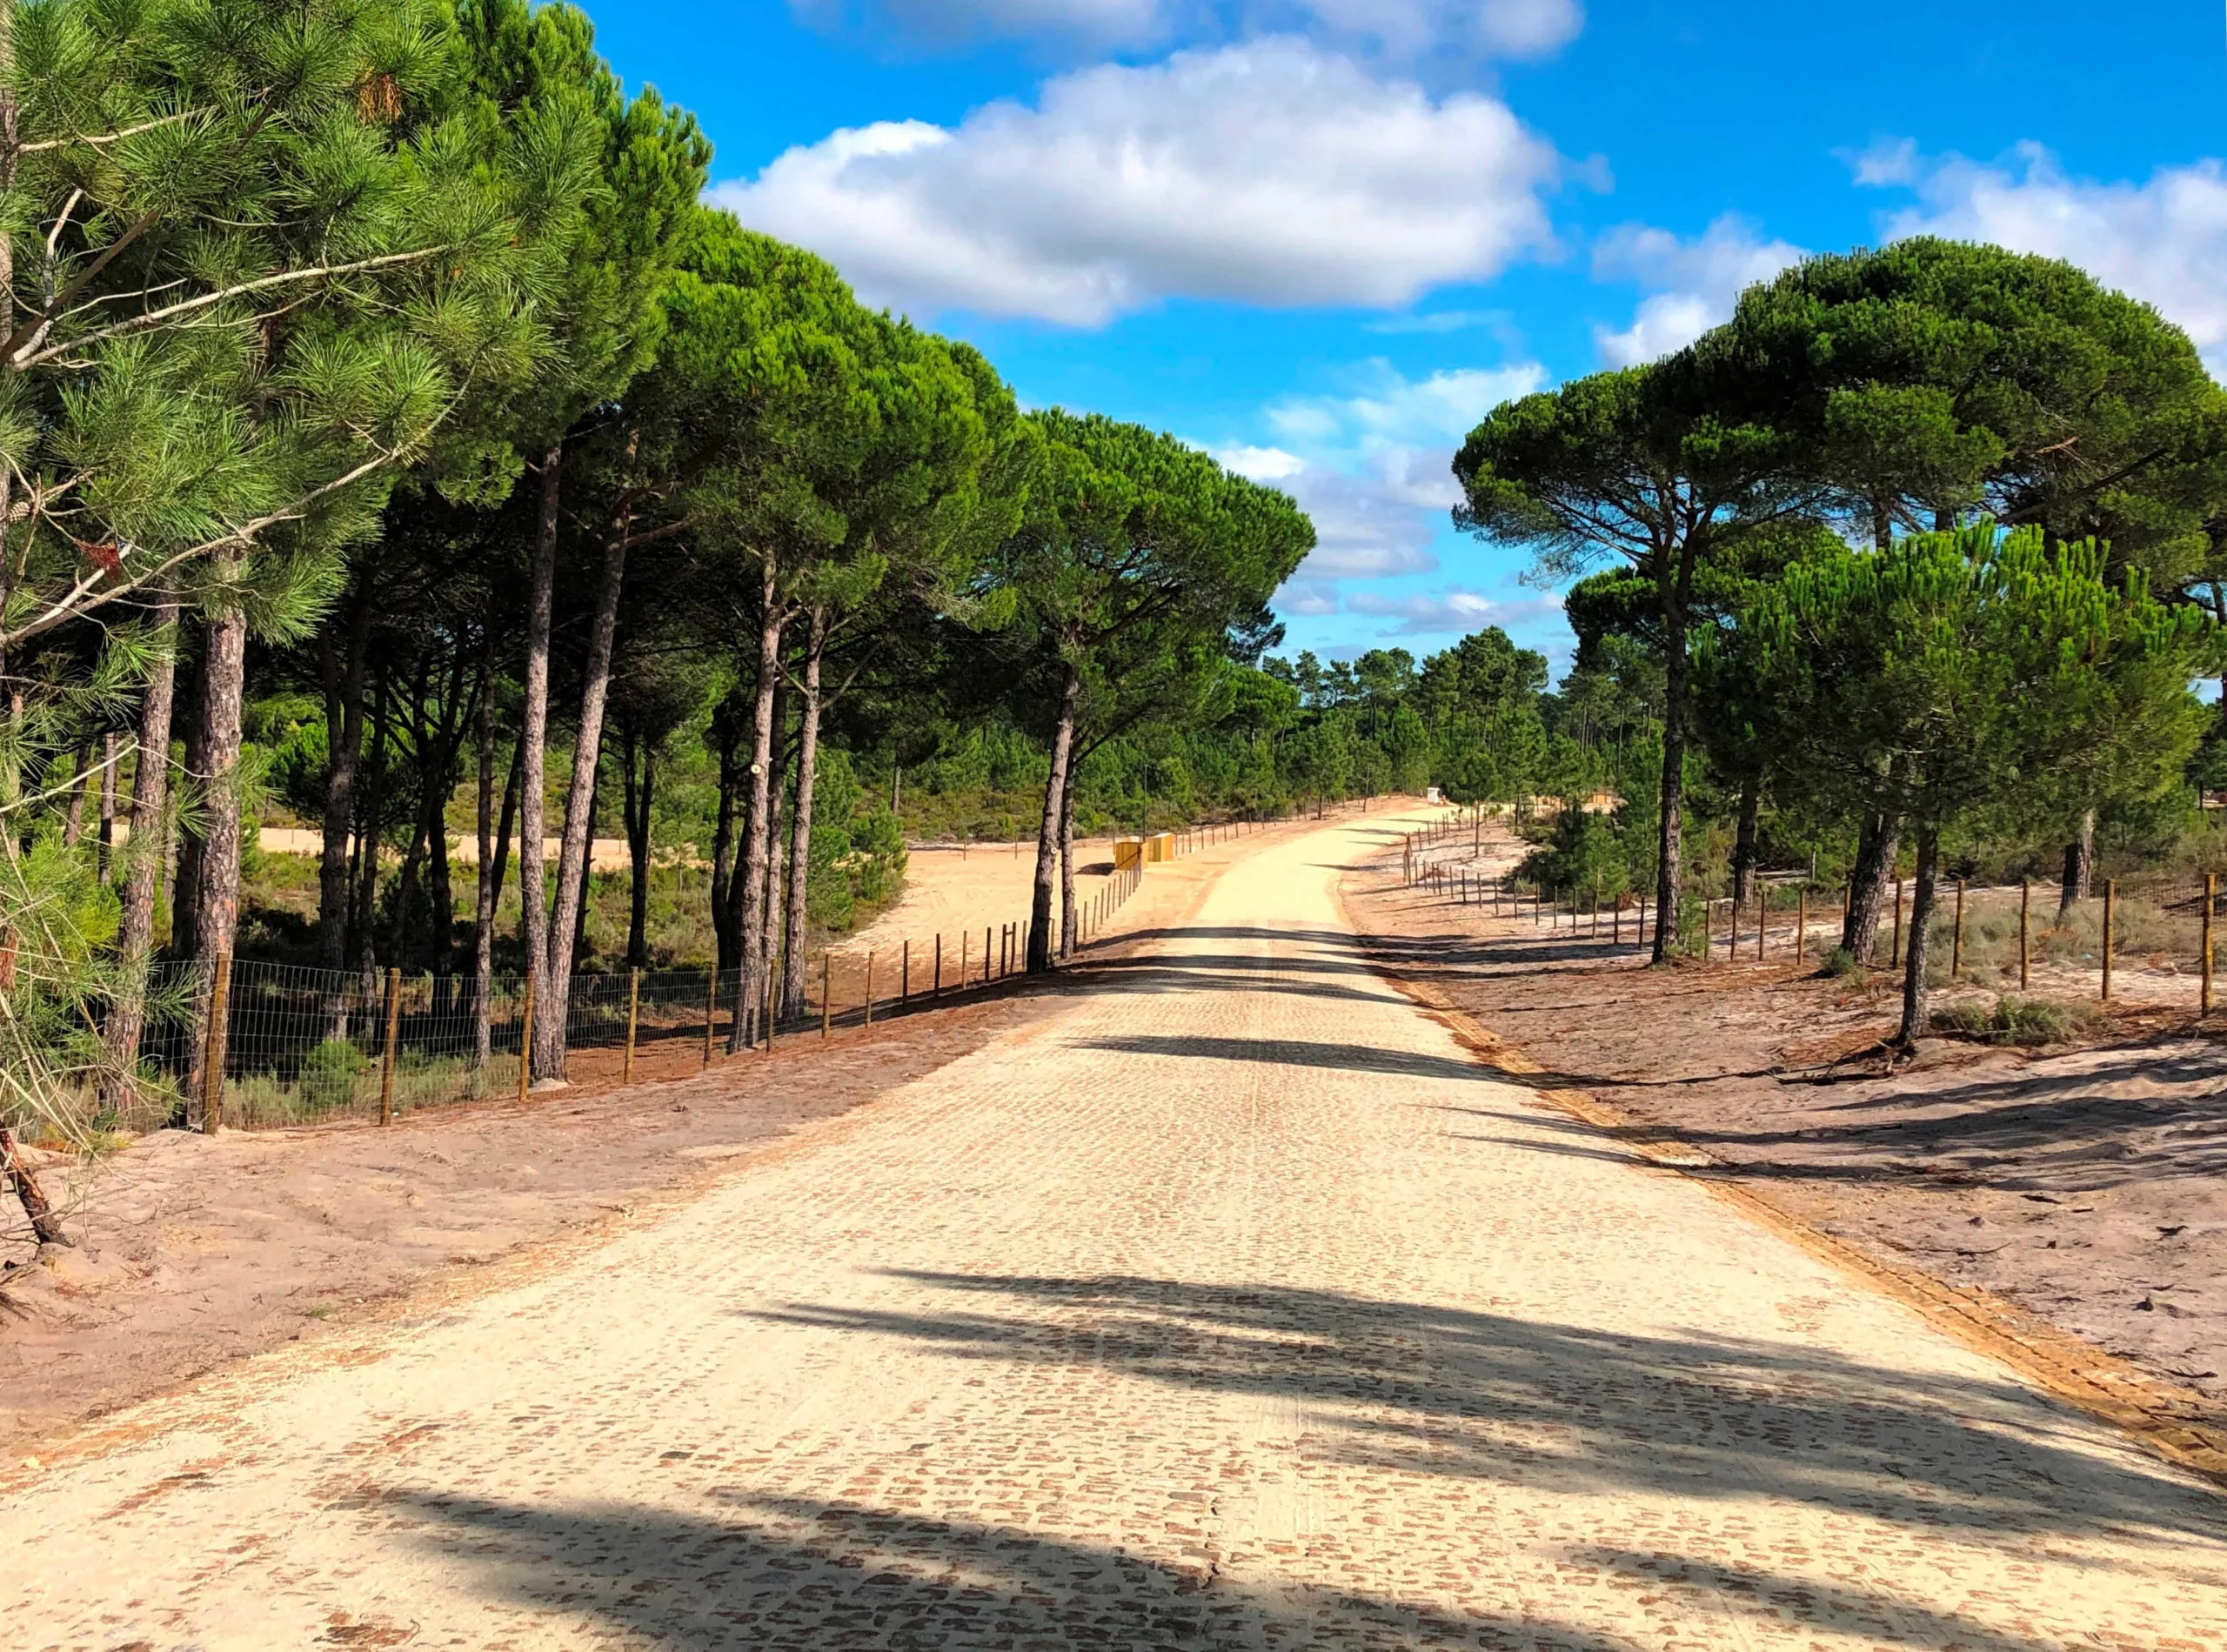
(1228, 1304)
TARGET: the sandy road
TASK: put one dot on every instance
(1227, 1306)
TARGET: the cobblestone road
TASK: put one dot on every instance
(1227, 1306)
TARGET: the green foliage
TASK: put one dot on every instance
(329, 1074)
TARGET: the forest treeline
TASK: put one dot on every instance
(396, 445)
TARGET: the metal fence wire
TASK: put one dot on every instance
(302, 1046)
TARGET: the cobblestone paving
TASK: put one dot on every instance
(1229, 1307)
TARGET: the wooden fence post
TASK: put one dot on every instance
(2110, 912)
(963, 938)
(2210, 895)
(826, 990)
(1762, 916)
(633, 1022)
(2025, 930)
(904, 975)
(1802, 925)
(869, 988)
(711, 1010)
(386, 1052)
(212, 1057)
(988, 958)
(525, 1038)
(773, 993)
(1956, 946)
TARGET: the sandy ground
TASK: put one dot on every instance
(192, 1252)
(953, 889)
(1230, 1305)
(2088, 1185)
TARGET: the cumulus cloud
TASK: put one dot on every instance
(1406, 30)
(1389, 410)
(1449, 613)
(1270, 173)
(2163, 241)
(1373, 468)
(1695, 281)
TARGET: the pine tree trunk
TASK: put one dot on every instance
(1878, 846)
(793, 965)
(111, 755)
(186, 875)
(142, 865)
(370, 829)
(573, 855)
(483, 902)
(533, 779)
(2079, 881)
(1048, 831)
(1068, 862)
(1743, 843)
(344, 723)
(46, 1226)
(1669, 864)
(1914, 946)
(217, 899)
(723, 834)
(751, 931)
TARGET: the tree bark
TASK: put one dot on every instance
(1068, 862)
(142, 865)
(723, 922)
(635, 803)
(2079, 880)
(344, 723)
(1674, 589)
(792, 962)
(750, 984)
(1743, 842)
(483, 902)
(369, 831)
(185, 873)
(574, 855)
(1915, 950)
(1878, 845)
(533, 779)
(217, 902)
(1048, 831)
(111, 755)
(46, 1226)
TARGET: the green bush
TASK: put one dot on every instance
(1843, 964)
(329, 1074)
(2026, 1022)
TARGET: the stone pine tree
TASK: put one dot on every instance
(1936, 378)
(1639, 466)
(1130, 531)
(248, 266)
(1980, 661)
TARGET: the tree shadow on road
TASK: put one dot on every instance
(767, 1573)
(1411, 1388)
(1345, 1058)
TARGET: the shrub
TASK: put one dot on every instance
(329, 1074)
(1843, 964)
(2011, 1019)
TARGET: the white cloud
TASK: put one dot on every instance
(1439, 321)
(1391, 411)
(1269, 173)
(1695, 281)
(1407, 30)
(1448, 612)
(2163, 241)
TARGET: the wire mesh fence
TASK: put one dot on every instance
(2153, 938)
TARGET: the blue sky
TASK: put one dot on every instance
(1321, 237)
